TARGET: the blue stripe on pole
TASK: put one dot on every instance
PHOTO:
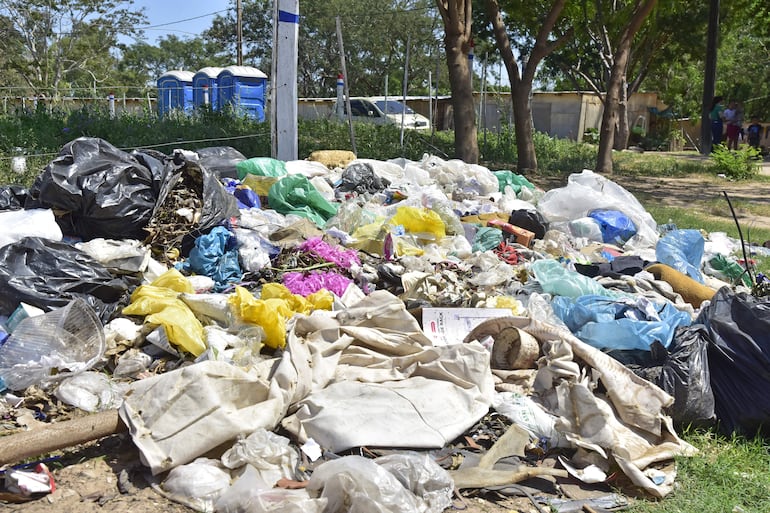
(288, 17)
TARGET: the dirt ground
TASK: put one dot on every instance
(108, 476)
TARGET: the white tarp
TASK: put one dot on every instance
(336, 373)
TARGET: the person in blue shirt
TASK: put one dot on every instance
(753, 132)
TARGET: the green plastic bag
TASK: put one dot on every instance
(487, 238)
(294, 194)
(260, 166)
(730, 270)
(560, 281)
(510, 179)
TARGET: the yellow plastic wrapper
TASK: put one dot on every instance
(276, 306)
(160, 305)
(406, 247)
(174, 280)
(370, 237)
(422, 222)
(514, 305)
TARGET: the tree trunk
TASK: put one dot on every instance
(456, 15)
(609, 121)
(466, 140)
(521, 83)
(611, 113)
(522, 121)
(623, 132)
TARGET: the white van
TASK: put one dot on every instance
(390, 110)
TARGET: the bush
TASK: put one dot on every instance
(737, 165)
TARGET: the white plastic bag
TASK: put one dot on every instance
(589, 191)
(421, 475)
(201, 482)
(91, 391)
(269, 453)
(18, 224)
(353, 484)
(249, 495)
(526, 413)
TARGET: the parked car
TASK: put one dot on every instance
(389, 110)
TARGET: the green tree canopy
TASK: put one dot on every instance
(375, 35)
(55, 47)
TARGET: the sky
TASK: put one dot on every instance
(183, 18)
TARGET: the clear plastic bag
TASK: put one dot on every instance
(52, 346)
(421, 475)
(354, 484)
(91, 391)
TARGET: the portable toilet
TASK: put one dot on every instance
(175, 91)
(244, 88)
(205, 83)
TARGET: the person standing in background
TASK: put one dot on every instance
(730, 115)
(716, 115)
(739, 119)
(754, 131)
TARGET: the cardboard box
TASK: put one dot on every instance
(447, 326)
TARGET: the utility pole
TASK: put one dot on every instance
(347, 86)
(239, 33)
(283, 107)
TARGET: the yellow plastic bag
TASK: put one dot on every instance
(422, 222)
(256, 311)
(276, 306)
(160, 305)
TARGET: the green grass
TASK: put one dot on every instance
(729, 474)
(690, 218)
(651, 164)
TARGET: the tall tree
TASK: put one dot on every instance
(48, 43)
(536, 30)
(616, 84)
(457, 17)
(659, 46)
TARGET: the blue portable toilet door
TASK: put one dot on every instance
(175, 91)
(206, 77)
(243, 88)
(251, 98)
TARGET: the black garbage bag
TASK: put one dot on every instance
(738, 325)
(49, 274)
(104, 191)
(12, 197)
(191, 202)
(359, 177)
(220, 160)
(531, 220)
(683, 372)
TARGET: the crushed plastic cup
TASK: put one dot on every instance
(52, 346)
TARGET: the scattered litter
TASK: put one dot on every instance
(300, 335)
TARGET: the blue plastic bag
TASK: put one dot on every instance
(620, 324)
(216, 255)
(682, 250)
(616, 226)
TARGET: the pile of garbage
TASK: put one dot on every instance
(349, 329)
